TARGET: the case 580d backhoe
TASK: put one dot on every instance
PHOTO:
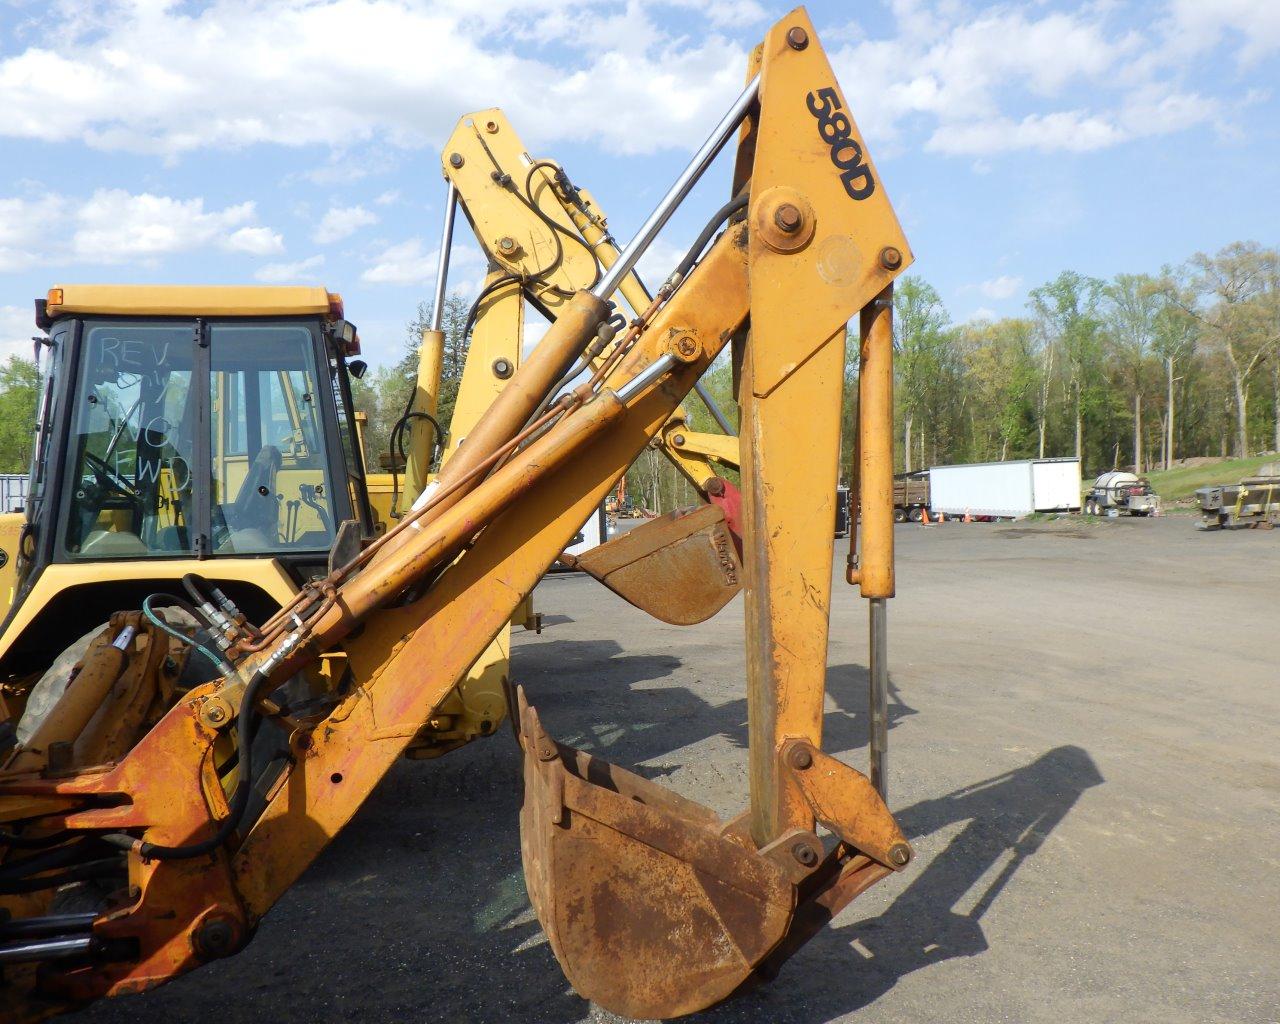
(128, 857)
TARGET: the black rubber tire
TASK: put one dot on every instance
(899, 514)
(915, 514)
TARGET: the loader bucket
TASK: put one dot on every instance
(652, 909)
(681, 568)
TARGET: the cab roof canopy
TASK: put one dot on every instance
(192, 300)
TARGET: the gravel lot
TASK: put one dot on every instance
(1085, 752)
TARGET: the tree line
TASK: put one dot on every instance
(1133, 372)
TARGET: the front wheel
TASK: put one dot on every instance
(899, 515)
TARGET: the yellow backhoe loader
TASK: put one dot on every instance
(134, 848)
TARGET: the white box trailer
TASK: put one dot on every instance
(1006, 489)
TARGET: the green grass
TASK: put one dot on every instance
(1182, 483)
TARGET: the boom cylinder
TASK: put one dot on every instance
(875, 448)
(441, 538)
(573, 330)
(425, 399)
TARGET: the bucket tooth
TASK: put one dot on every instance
(650, 910)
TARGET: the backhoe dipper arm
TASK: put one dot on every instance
(653, 906)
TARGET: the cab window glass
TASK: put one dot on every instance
(132, 435)
(270, 483)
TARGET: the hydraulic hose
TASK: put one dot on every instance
(218, 662)
(713, 225)
(246, 727)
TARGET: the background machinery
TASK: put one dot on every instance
(1254, 501)
(128, 860)
(1118, 492)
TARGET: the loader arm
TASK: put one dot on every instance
(653, 906)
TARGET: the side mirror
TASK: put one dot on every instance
(357, 368)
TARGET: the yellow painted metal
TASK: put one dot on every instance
(873, 493)
(419, 430)
(264, 573)
(805, 285)
(516, 240)
(696, 453)
(494, 356)
(10, 535)
(842, 265)
(193, 300)
(408, 659)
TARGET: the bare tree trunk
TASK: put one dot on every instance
(1004, 448)
(906, 441)
(1164, 441)
(1137, 432)
(1079, 427)
(1275, 394)
(1242, 418)
(1042, 426)
(1168, 449)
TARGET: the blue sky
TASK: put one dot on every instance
(242, 141)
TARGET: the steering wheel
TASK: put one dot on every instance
(108, 480)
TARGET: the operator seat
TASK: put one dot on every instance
(255, 506)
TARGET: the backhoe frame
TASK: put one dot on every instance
(407, 619)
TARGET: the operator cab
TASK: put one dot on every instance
(198, 423)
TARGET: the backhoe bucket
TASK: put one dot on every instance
(681, 568)
(651, 910)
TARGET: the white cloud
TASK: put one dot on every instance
(409, 263)
(392, 195)
(1010, 77)
(113, 226)
(17, 327)
(1002, 287)
(290, 273)
(1069, 130)
(256, 241)
(341, 222)
(169, 78)
(402, 263)
(1194, 26)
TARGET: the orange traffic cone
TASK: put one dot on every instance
(924, 517)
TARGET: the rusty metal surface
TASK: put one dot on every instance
(681, 568)
(843, 800)
(650, 910)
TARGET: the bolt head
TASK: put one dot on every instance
(801, 758)
(900, 854)
(502, 368)
(805, 854)
(715, 487)
(788, 218)
(215, 938)
(491, 127)
(455, 160)
(797, 38)
(678, 440)
(890, 258)
(216, 713)
(506, 243)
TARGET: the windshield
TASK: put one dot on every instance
(138, 435)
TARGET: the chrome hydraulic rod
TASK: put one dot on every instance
(879, 666)
(713, 408)
(442, 266)
(609, 283)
